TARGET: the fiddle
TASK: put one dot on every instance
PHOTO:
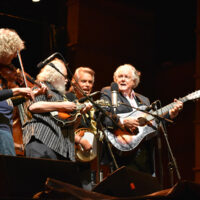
(12, 78)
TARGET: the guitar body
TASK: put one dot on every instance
(126, 141)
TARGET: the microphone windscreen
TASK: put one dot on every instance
(114, 86)
(40, 65)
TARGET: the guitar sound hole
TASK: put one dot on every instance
(142, 121)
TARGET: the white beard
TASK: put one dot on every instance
(60, 87)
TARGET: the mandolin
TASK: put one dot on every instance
(67, 119)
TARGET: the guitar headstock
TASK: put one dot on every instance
(194, 95)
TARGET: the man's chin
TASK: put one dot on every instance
(123, 88)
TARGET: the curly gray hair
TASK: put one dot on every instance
(50, 74)
(10, 42)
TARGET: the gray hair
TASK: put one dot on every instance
(84, 70)
(50, 74)
(135, 73)
(10, 42)
(76, 75)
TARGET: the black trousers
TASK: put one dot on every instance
(36, 149)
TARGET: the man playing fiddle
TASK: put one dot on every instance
(10, 43)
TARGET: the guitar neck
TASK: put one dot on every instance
(164, 110)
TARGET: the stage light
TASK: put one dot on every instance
(35, 1)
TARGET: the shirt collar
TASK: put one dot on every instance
(132, 96)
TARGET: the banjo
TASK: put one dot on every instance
(81, 154)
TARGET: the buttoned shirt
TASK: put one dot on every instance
(45, 128)
(131, 99)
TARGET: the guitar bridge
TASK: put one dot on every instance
(135, 131)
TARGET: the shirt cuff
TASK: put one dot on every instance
(121, 120)
(5, 94)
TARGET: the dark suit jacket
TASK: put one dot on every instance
(141, 158)
(106, 94)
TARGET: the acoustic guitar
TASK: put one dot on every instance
(127, 141)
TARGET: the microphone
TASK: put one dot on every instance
(46, 61)
(152, 106)
(83, 99)
(114, 93)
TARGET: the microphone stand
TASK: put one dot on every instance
(172, 164)
(172, 161)
(103, 112)
(101, 127)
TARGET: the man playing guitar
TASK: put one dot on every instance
(128, 78)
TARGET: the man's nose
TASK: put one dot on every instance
(87, 84)
(123, 78)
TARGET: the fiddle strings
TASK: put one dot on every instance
(22, 68)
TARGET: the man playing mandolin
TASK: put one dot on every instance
(127, 79)
(43, 137)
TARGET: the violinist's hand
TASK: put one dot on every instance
(68, 106)
(176, 109)
(131, 123)
(43, 88)
(27, 92)
(40, 90)
(87, 107)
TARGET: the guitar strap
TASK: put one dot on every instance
(141, 100)
(138, 99)
(86, 119)
(89, 119)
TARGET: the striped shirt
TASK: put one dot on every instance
(44, 128)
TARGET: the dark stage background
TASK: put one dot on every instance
(157, 37)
